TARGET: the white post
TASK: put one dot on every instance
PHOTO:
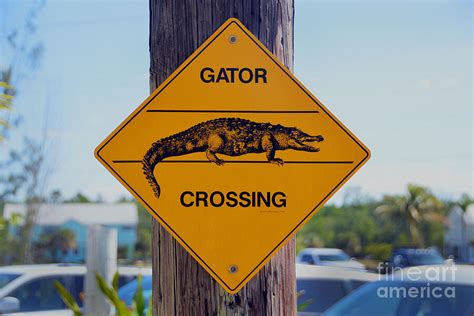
(101, 257)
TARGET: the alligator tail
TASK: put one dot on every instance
(154, 155)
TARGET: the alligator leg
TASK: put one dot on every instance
(269, 147)
(213, 144)
(213, 158)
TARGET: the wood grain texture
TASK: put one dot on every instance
(181, 286)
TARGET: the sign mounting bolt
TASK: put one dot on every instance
(233, 269)
(232, 39)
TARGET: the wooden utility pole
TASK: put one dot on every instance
(181, 286)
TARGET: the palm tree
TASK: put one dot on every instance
(53, 240)
(64, 239)
(417, 205)
(465, 201)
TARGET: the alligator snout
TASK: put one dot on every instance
(318, 138)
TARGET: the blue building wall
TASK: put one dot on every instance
(126, 237)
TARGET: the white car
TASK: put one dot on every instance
(435, 290)
(328, 257)
(320, 287)
(29, 289)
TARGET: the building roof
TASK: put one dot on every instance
(84, 213)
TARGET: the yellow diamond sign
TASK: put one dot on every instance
(232, 155)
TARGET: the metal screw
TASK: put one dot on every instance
(232, 39)
(233, 269)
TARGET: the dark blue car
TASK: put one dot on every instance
(409, 257)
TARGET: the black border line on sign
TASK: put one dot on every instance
(329, 162)
(167, 225)
(232, 111)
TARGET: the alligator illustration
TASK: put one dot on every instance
(227, 136)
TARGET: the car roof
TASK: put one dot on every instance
(307, 271)
(442, 273)
(61, 268)
(320, 251)
(409, 250)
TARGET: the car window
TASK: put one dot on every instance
(6, 278)
(39, 295)
(425, 258)
(124, 279)
(75, 285)
(336, 257)
(318, 295)
(366, 302)
(307, 259)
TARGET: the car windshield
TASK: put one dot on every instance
(315, 296)
(396, 298)
(6, 278)
(334, 257)
(423, 258)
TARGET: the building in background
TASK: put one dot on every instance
(459, 236)
(76, 217)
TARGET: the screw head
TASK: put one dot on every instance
(232, 39)
(233, 269)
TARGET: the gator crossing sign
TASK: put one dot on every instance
(232, 155)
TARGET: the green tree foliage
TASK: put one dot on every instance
(364, 226)
(465, 201)
(55, 196)
(143, 245)
(79, 198)
(349, 227)
(52, 242)
(111, 293)
(8, 242)
(302, 306)
(33, 169)
(26, 51)
(418, 206)
(7, 93)
(121, 309)
(379, 251)
(23, 176)
(68, 299)
(138, 307)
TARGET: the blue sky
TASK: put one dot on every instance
(397, 73)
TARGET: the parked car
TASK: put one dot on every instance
(29, 289)
(328, 257)
(421, 291)
(408, 257)
(320, 287)
(127, 291)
